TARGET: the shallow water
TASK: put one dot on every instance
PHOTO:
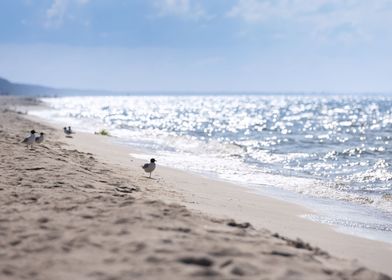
(335, 149)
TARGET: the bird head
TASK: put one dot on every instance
(41, 133)
(152, 160)
(32, 132)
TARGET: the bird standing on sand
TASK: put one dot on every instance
(29, 141)
(67, 131)
(149, 167)
(40, 138)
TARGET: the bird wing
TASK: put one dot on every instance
(25, 140)
(145, 166)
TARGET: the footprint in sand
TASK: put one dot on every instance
(43, 220)
(200, 261)
(233, 223)
(126, 189)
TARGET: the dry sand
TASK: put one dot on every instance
(79, 208)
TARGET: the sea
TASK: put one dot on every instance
(331, 154)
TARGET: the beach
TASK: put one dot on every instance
(82, 208)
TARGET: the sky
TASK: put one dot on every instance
(339, 46)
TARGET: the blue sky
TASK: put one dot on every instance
(199, 45)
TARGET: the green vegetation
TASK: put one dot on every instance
(103, 132)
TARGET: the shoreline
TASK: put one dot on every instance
(315, 209)
(227, 200)
(92, 216)
(341, 209)
(318, 209)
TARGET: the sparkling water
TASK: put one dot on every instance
(328, 152)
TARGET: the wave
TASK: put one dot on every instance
(333, 147)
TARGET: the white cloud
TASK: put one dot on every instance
(57, 12)
(343, 18)
(182, 8)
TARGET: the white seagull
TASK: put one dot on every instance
(30, 140)
(149, 167)
(40, 138)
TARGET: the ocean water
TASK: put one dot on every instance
(331, 153)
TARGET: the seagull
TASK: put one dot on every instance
(149, 167)
(30, 140)
(40, 138)
(68, 131)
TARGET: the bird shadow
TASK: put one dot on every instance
(150, 178)
(68, 136)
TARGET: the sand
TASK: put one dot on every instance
(81, 208)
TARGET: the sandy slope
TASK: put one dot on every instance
(66, 215)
